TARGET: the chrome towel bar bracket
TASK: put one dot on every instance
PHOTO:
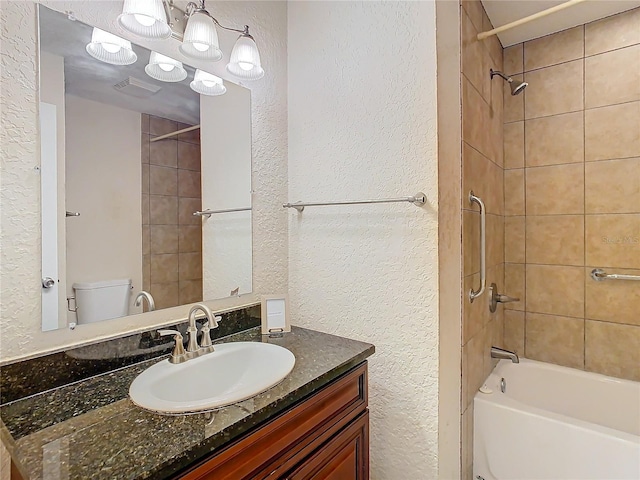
(419, 199)
(599, 275)
(473, 294)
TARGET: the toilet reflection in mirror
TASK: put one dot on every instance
(126, 161)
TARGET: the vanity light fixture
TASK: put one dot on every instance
(207, 84)
(110, 48)
(148, 18)
(145, 18)
(164, 68)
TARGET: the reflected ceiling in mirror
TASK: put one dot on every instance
(120, 185)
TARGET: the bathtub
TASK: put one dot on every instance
(556, 423)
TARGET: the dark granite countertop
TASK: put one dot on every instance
(90, 428)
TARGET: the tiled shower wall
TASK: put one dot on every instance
(572, 197)
(171, 192)
(482, 159)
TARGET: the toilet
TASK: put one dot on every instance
(104, 300)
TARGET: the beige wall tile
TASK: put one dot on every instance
(165, 295)
(163, 180)
(164, 268)
(613, 186)
(190, 291)
(189, 156)
(190, 266)
(612, 132)
(145, 209)
(554, 90)
(514, 331)
(467, 439)
(145, 147)
(496, 118)
(495, 240)
(611, 301)
(493, 336)
(475, 11)
(513, 104)
(161, 126)
(475, 315)
(613, 349)
(164, 239)
(514, 59)
(492, 43)
(484, 177)
(552, 49)
(472, 368)
(554, 140)
(555, 190)
(514, 285)
(470, 242)
(613, 240)
(145, 178)
(556, 290)
(192, 136)
(163, 210)
(555, 339)
(514, 145)
(190, 239)
(188, 183)
(613, 32)
(612, 77)
(146, 240)
(144, 123)
(146, 273)
(164, 153)
(555, 239)
(475, 61)
(186, 207)
(514, 239)
(475, 119)
(514, 192)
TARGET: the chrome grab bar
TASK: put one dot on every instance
(473, 294)
(207, 213)
(599, 275)
(419, 199)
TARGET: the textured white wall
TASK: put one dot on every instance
(362, 124)
(20, 333)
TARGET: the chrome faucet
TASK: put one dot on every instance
(193, 349)
(504, 354)
(147, 296)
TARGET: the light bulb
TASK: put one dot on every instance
(208, 83)
(201, 47)
(111, 47)
(245, 66)
(144, 19)
(166, 67)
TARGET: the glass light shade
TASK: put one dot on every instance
(245, 59)
(145, 18)
(110, 48)
(206, 84)
(165, 69)
(201, 38)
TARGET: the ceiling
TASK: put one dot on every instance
(501, 12)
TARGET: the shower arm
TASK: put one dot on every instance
(500, 74)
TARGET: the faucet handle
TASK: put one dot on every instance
(178, 355)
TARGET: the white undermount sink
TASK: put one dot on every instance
(232, 373)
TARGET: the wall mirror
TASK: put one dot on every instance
(120, 187)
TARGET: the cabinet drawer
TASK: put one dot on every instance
(277, 447)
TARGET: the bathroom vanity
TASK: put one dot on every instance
(314, 424)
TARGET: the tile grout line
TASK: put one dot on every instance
(584, 196)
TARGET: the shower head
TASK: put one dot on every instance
(516, 85)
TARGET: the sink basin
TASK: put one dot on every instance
(232, 373)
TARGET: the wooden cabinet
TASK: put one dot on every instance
(325, 436)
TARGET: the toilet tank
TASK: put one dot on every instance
(102, 300)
